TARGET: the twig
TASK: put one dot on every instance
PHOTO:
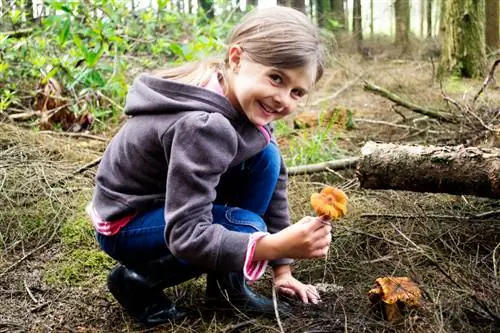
(80, 135)
(495, 265)
(338, 92)
(29, 292)
(318, 167)
(276, 312)
(88, 166)
(437, 114)
(240, 325)
(486, 80)
(23, 116)
(443, 217)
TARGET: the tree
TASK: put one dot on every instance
(252, 3)
(299, 5)
(402, 12)
(323, 11)
(338, 12)
(492, 23)
(429, 18)
(208, 7)
(357, 22)
(463, 51)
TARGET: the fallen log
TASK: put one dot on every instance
(448, 169)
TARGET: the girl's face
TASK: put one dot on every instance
(265, 93)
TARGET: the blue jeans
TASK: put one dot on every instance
(243, 196)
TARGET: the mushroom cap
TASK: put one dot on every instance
(394, 289)
(330, 203)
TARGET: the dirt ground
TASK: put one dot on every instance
(448, 244)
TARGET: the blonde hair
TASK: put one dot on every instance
(278, 37)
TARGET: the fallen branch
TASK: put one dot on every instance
(436, 114)
(386, 123)
(318, 167)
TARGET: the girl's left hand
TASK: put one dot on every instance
(286, 284)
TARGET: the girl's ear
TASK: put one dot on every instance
(234, 57)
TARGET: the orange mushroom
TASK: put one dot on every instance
(391, 294)
(330, 203)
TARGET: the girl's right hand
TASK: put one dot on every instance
(308, 238)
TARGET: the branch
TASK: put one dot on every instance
(486, 80)
(318, 167)
(437, 114)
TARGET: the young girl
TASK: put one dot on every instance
(194, 182)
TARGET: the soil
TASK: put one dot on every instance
(433, 238)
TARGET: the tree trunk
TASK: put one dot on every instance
(492, 23)
(402, 12)
(208, 7)
(422, 15)
(323, 11)
(282, 3)
(455, 170)
(357, 27)
(299, 5)
(338, 12)
(429, 18)
(28, 10)
(254, 3)
(464, 39)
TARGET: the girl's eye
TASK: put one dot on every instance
(276, 78)
(298, 93)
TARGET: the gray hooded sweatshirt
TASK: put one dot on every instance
(172, 151)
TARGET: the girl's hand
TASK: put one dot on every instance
(308, 238)
(286, 284)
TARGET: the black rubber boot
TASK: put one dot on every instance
(230, 291)
(140, 289)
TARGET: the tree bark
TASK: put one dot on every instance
(299, 5)
(492, 23)
(449, 169)
(254, 3)
(402, 12)
(463, 53)
(429, 18)
(338, 13)
(357, 21)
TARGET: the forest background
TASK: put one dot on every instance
(418, 72)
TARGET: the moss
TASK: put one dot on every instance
(77, 232)
(78, 268)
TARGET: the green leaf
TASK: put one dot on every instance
(176, 49)
(64, 32)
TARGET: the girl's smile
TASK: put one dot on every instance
(265, 93)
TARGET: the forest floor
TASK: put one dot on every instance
(52, 275)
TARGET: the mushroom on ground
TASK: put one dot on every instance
(392, 294)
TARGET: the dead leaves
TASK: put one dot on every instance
(54, 109)
(330, 203)
(392, 294)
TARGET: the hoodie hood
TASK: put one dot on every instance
(153, 95)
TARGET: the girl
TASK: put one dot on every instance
(194, 182)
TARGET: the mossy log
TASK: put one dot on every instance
(447, 169)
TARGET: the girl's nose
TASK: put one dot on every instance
(281, 99)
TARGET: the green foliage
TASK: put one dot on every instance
(91, 47)
(307, 146)
(78, 267)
